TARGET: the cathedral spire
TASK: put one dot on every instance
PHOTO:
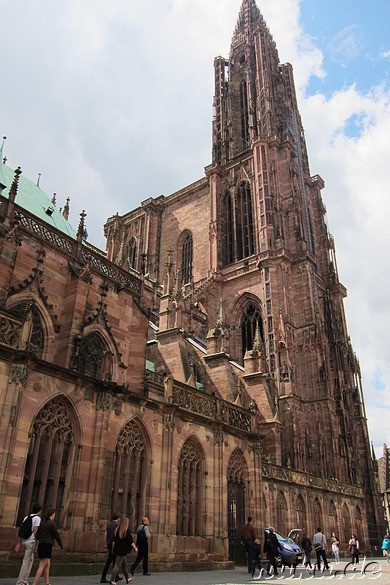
(249, 18)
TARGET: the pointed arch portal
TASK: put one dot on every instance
(236, 484)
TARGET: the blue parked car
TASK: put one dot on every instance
(289, 553)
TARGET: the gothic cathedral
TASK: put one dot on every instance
(201, 370)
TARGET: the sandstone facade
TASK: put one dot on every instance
(201, 371)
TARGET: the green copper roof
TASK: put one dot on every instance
(33, 199)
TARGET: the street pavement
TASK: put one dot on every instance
(368, 570)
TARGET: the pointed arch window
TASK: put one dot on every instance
(187, 259)
(128, 491)
(346, 524)
(250, 321)
(244, 114)
(50, 463)
(92, 357)
(227, 230)
(301, 511)
(132, 254)
(317, 513)
(245, 242)
(333, 517)
(281, 512)
(190, 490)
(236, 478)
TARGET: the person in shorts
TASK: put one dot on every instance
(30, 545)
(46, 535)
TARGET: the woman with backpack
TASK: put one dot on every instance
(46, 535)
(122, 545)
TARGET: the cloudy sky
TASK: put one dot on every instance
(112, 103)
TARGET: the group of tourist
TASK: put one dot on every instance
(38, 537)
(319, 543)
(252, 543)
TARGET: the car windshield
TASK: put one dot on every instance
(279, 536)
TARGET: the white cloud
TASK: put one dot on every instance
(112, 102)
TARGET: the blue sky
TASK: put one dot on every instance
(112, 103)
(354, 39)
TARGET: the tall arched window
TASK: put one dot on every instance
(132, 254)
(50, 461)
(227, 230)
(92, 357)
(245, 243)
(281, 512)
(346, 524)
(244, 114)
(333, 517)
(250, 320)
(237, 474)
(128, 492)
(190, 490)
(187, 259)
(301, 511)
(317, 514)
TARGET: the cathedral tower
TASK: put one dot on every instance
(249, 271)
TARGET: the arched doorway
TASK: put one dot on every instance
(237, 474)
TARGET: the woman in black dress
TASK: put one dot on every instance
(46, 534)
(123, 544)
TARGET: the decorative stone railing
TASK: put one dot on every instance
(277, 472)
(89, 254)
(11, 331)
(206, 405)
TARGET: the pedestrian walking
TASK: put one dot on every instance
(248, 537)
(46, 534)
(306, 545)
(336, 547)
(122, 545)
(319, 542)
(271, 547)
(354, 549)
(386, 547)
(26, 539)
(108, 540)
(256, 556)
(143, 535)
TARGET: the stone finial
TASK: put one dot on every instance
(65, 212)
(14, 187)
(81, 228)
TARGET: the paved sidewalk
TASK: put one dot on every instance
(367, 571)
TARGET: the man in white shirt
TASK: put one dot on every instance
(29, 546)
(319, 543)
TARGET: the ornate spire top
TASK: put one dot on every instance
(81, 229)
(14, 187)
(257, 343)
(249, 18)
(65, 213)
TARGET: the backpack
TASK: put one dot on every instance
(26, 529)
(142, 541)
